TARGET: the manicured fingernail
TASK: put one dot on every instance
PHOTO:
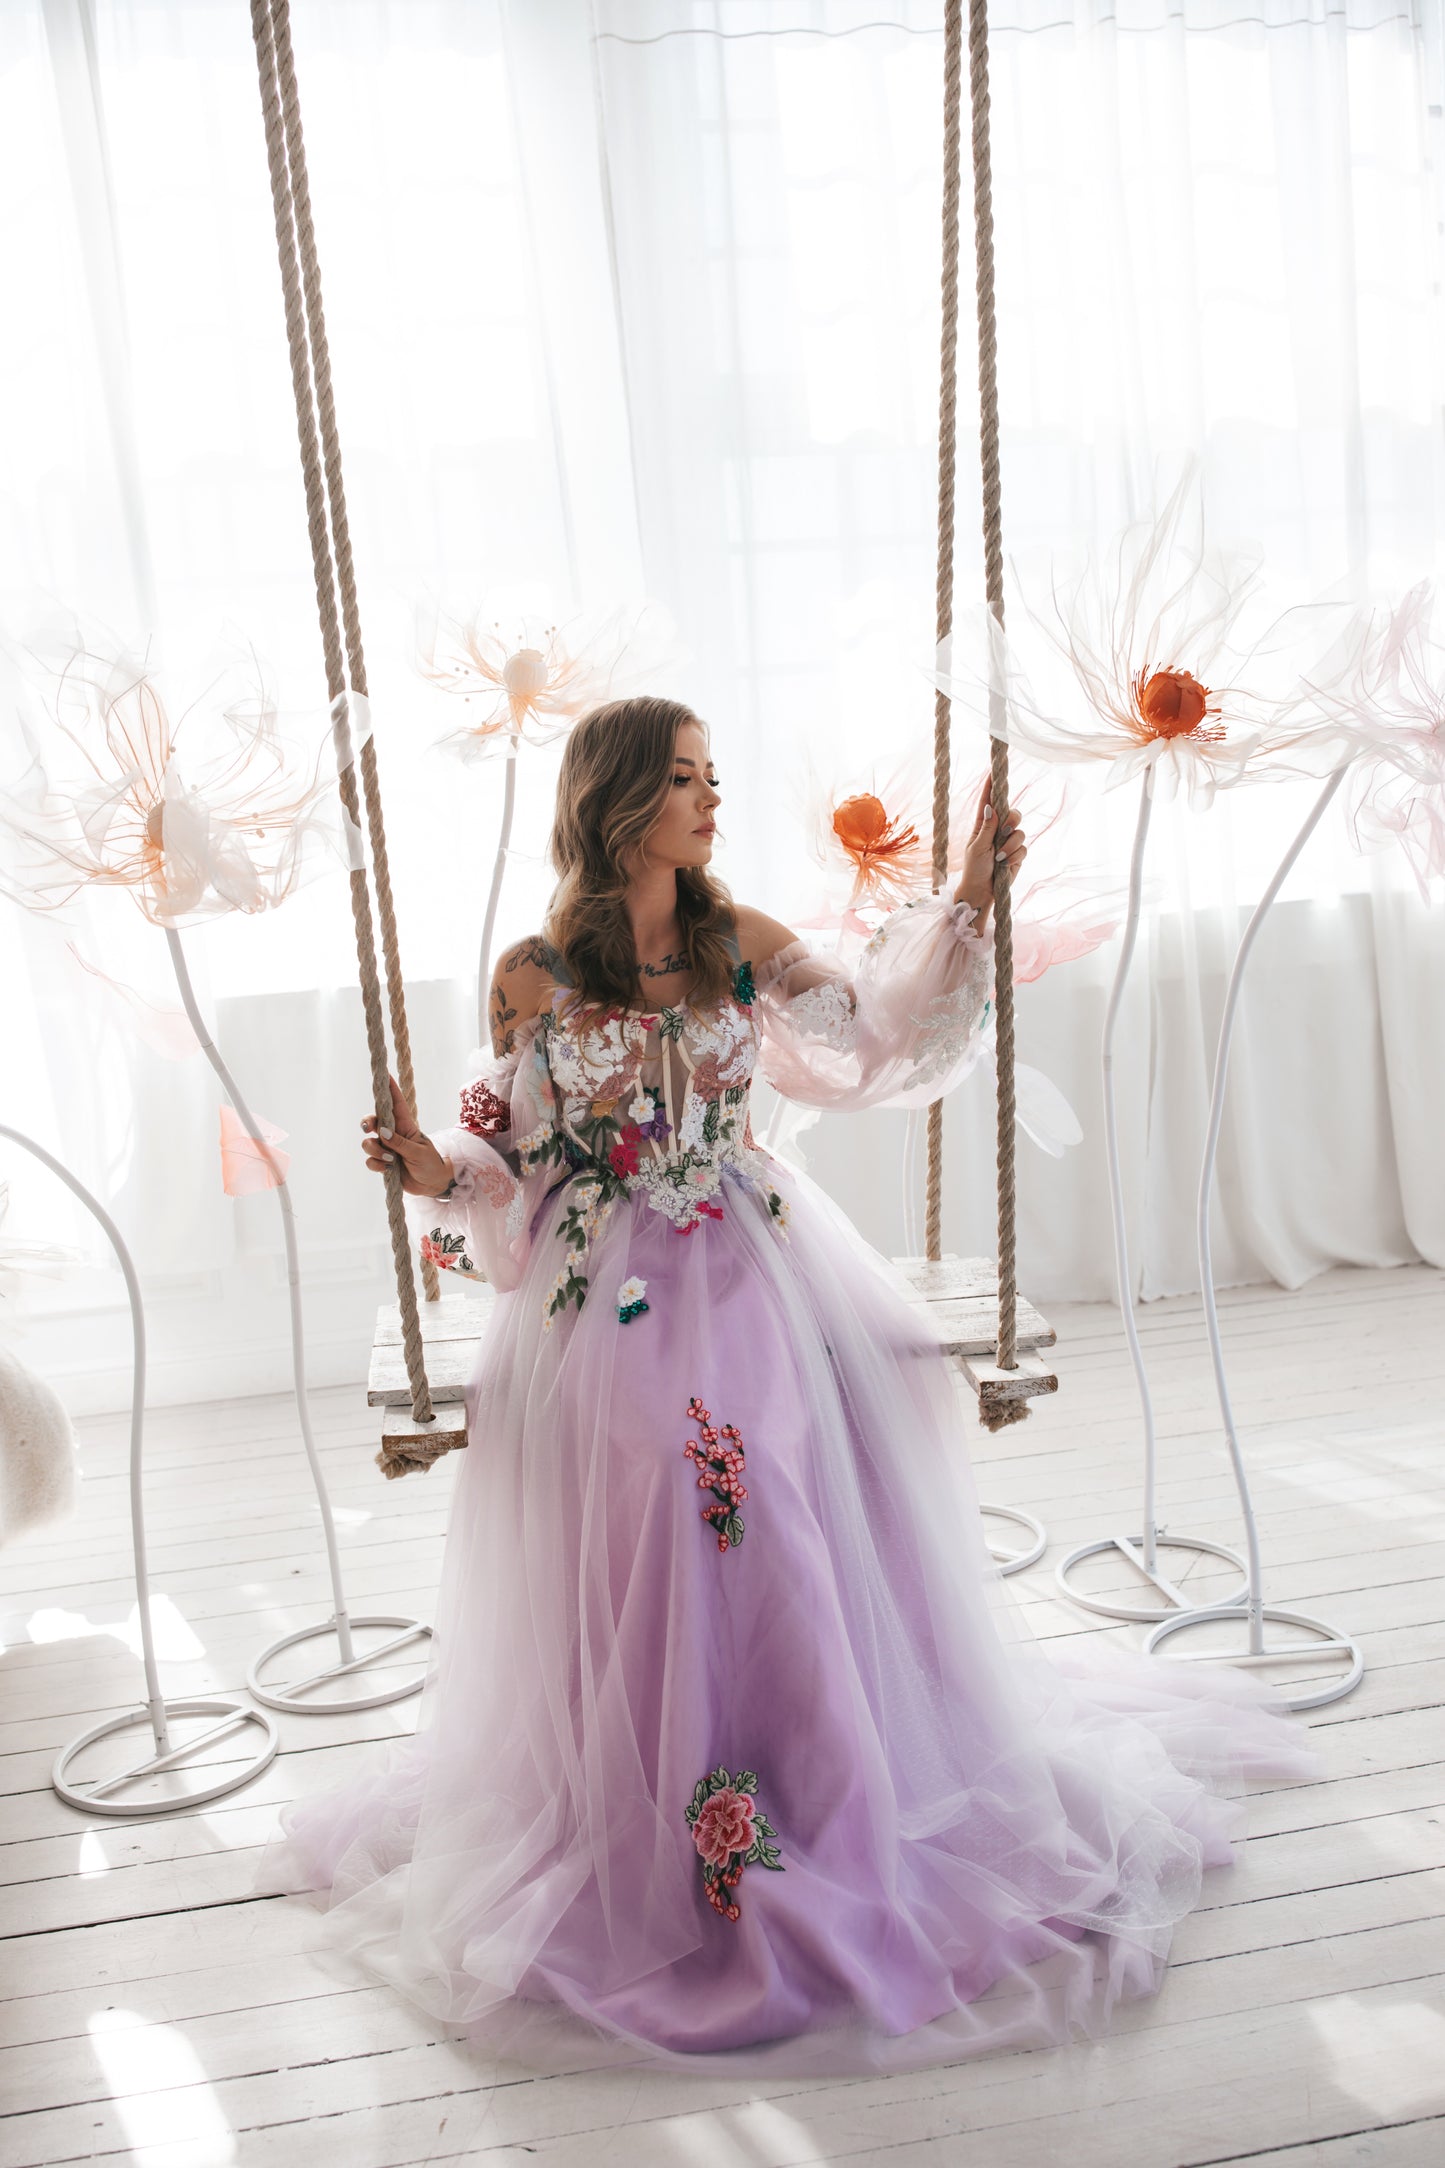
(388, 1157)
(383, 1132)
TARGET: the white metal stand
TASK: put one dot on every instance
(301, 1695)
(1316, 1639)
(1140, 1552)
(98, 1795)
(1008, 1555)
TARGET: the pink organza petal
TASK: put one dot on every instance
(245, 1169)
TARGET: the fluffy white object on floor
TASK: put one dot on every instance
(39, 1474)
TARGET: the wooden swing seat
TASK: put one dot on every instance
(957, 1297)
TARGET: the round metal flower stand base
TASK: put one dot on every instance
(306, 1696)
(1253, 1650)
(1172, 1600)
(101, 1795)
(1007, 1555)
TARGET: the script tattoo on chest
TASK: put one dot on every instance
(668, 968)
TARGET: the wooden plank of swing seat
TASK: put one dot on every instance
(960, 1298)
(409, 1447)
(451, 1331)
(996, 1388)
(949, 1278)
(462, 1311)
(449, 1366)
(961, 1293)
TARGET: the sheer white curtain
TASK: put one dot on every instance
(642, 297)
(1218, 230)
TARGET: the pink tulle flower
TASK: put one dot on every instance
(724, 1826)
(1391, 705)
(1061, 910)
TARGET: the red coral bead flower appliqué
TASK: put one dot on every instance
(718, 1455)
(730, 1834)
(483, 1112)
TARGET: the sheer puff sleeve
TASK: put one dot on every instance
(899, 1028)
(500, 1151)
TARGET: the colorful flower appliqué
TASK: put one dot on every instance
(730, 1834)
(630, 1300)
(720, 1464)
(448, 1252)
(744, 991)
(702, 1208)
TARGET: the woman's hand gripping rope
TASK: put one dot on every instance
(425, 1172)
(985, 847)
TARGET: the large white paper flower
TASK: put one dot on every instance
(526, 679)
(194, 816)
(1165, 662)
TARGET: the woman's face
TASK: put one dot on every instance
(683, 833)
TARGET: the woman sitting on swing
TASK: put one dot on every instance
(734, 1735)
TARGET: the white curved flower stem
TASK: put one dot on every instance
(1206, 1183)
(499, 867)
(155, 1703)
(293, 1276)
(1124, 1275)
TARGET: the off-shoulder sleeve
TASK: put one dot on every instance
(899, 1028)
(502, 1149)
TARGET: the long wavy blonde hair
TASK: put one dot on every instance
(617, 770)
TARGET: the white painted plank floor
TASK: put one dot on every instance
(153, 2013)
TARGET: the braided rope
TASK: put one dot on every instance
(262, 27)
(1010, 1411)
(947, 467)
(345, 568)
(998, 747)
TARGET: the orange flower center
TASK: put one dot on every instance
(865, 831)
(1172, 703)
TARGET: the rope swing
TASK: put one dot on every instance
(1003, 1386)
(995, 1410)
(340, 622)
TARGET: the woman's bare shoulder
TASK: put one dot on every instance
(760, 936)
(522, 983)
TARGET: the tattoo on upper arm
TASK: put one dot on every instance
(502, 1038)
(533, 950)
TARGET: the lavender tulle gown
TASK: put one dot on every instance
(735, 1751)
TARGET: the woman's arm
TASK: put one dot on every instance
(468, 1180)
(906, 1023)
(521, 988)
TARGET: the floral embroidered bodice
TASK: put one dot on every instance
(653, 1103)
(659, 1097)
